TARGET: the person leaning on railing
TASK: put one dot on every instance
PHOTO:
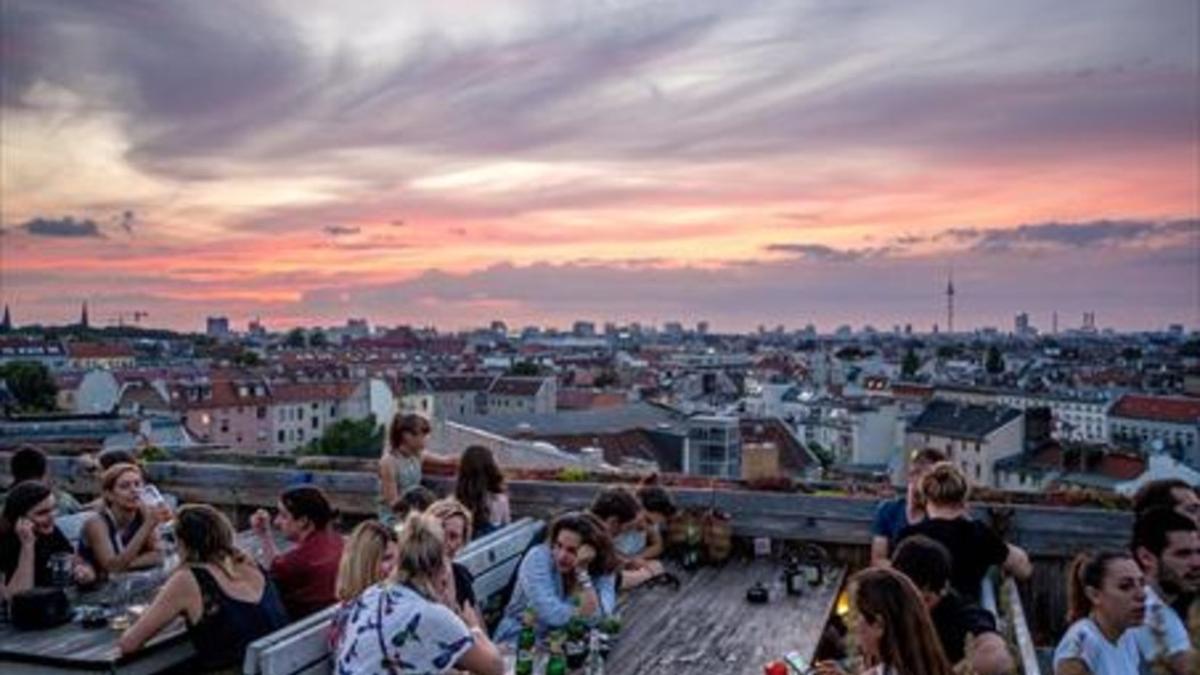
(957, 620)
(123, 533)
(974, 546)
(1106, 596)
(571, 574)
(479, 485)
(893, 515)
(225, 598)
(400, 462)
(893, 631)
(31, 538)
(401, 625)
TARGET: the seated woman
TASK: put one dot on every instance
(658, 508)
(1106, 596)
(621, 514)
(225, 598)
(369, 558)
(307, 573)
(400, 626)
(122, 535)
(480, 487)
(456, 532)
(577, 559)
(31, 538)
(29, 463)
(973, 546)
(893, 630)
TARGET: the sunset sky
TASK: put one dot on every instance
(456, 161)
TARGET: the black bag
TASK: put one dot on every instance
(40, 608)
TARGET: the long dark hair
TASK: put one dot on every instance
(1088, 571)
(478, 478)
(592, 532)
(909, 644)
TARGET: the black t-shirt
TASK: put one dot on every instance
(973, 546)
(464, 585)
(955, 618)
(44, 547)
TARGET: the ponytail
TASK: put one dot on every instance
(1087, 571)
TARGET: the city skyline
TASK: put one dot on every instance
(774, 162)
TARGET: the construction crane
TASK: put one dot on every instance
(136, 314)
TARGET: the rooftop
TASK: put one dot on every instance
(960, 420)
(1178, 410)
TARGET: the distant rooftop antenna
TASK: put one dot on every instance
(950, 303)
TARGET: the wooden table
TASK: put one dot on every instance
(707, 626)
(71, 648)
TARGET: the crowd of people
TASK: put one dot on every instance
(403, 604)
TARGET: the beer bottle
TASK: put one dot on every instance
(557, 663)
(526, 643)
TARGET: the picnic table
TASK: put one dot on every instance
(72, 648)
(707, 625)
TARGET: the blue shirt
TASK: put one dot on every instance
(891, 517)
(539, 586)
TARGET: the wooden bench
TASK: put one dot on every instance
(302, 648)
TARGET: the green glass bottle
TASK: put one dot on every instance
(557, 663)
(526, 644)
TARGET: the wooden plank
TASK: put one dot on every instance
(1020, 627)
(707, 626)
(255, 650)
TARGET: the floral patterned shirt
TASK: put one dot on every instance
(392, 629)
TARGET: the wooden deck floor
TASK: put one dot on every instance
(707, 626)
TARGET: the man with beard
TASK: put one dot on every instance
(1166, 544)
(1177, 494)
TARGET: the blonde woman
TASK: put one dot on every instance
(456, 532)
(400, 626)
(122, 535)
(368, 558)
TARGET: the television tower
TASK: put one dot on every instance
(950, 303)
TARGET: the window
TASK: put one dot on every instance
(224, 426)
(299, 412)
(978, 472)
(281, 436)
(300, 434)
(262, 412)
(315, 422)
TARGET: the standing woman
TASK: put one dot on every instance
(401, 626)
(224, 597)
(1106, 596)
(122, 535)
(400, 464)
(892, 628)
(480, 487)
(307, 573)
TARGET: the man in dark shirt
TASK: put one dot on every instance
(893, 515)
(957, 620)
(973, 546)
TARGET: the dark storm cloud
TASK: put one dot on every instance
(67, 228)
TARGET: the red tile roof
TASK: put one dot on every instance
(1158, 409)
(1121, 467)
